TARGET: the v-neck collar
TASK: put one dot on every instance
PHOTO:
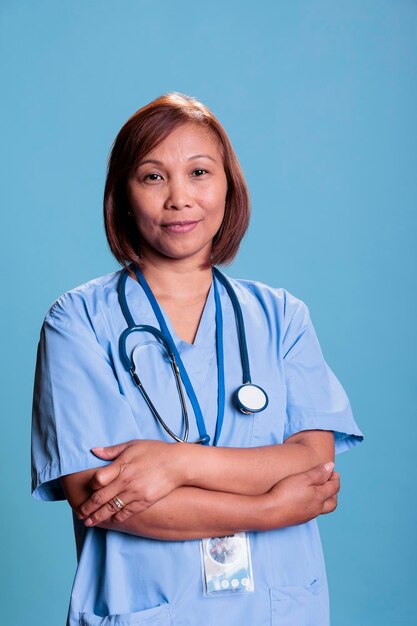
(205, 336)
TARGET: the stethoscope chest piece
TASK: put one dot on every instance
(250, 398)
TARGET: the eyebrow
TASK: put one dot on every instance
(195, 156)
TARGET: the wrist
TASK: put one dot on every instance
(185, 467)
(268, 514)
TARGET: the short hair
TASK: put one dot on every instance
(142, 132)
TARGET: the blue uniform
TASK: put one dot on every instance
(85, 398)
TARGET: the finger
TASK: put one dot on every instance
(330, 505)
(105, 475)
(107, 511)
(127, 512)
(110, 452)
(99, 498)
(335, 476)
(319, 474)
(330, 488)
(133, 507)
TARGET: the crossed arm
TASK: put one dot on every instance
(185, 491)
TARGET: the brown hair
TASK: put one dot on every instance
(142, 132)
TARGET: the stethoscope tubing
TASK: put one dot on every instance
(128, 365)
(164, 336)
(183, 372)
(240, 325)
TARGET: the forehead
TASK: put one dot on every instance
(188, 139)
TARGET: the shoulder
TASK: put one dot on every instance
(274, 301)
(282, 311)
(84, 302)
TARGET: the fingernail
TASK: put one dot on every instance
(329, 466)
(88, 522)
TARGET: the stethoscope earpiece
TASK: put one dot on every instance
(250, 398)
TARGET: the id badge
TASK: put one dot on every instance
(226, 564)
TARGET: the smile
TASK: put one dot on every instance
(180, 227)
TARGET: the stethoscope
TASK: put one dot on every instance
(248, 397)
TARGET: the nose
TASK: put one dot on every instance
(179, 194)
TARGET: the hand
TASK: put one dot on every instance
(142, 472)
(301, 497)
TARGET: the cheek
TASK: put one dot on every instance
(146, 229)
(142, 199)
(143, 223)
(144, 210)
(213, 201)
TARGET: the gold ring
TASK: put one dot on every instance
(118, 503)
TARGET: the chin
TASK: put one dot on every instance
(187, 250)
(199, 254)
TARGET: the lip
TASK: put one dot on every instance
(184, 226)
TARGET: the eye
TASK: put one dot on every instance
(199, 172)
(151, 178)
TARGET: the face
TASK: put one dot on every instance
(177, 195)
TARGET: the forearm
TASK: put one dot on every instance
(192, 513)
(145, 472)
(254, 471)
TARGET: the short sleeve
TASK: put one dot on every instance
(315, 397)
(77, 404)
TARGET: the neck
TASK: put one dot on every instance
(172, 278)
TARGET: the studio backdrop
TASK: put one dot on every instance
(319, 99)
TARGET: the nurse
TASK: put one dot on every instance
(192, 504)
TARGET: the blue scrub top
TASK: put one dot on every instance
(84, 397)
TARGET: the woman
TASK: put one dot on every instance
(217, 532)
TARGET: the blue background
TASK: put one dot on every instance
(319, 99)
